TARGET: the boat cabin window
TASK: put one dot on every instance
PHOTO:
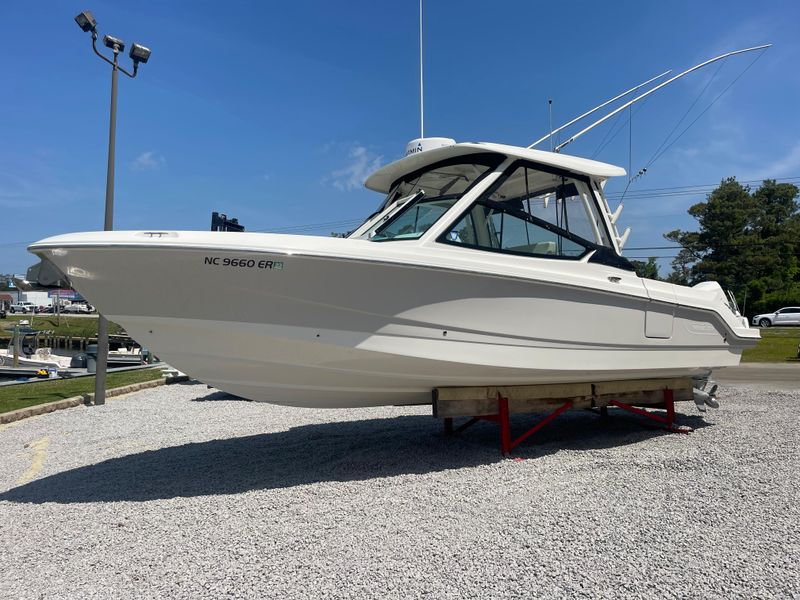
(494, 226)
(533, 212)
(427, 194)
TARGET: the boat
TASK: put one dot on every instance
(486, 264)
(29, 354)
(41, 359)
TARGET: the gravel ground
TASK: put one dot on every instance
(184, 492)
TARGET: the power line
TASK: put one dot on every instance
(644, 193)
(648, 257)
(287, 229)
(778, 254)
(704, 185)
(311, 226)
(639, 194)
(734, 245)
(692, 189)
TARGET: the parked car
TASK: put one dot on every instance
(81, 309)
(789, 315)
(2, 312)
(53, 308)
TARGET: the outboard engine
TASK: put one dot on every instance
(705, 393)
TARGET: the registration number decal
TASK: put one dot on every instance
(244, 263)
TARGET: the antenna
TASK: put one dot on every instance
(595, 109)
(658, 87)
(421, 89)
(550, 135)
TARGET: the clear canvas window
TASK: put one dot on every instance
(533, 212)
(490, 226)
(562, 201)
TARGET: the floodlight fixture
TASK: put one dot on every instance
(139, 53)
(86, 21)
(115, 44)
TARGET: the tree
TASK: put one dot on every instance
(647, 269)
(746, 240)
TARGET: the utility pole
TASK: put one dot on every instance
(139, 54)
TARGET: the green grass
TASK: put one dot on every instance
(13, 397)
(777, 345)
(78, 327)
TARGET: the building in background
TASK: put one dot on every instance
(15, 288)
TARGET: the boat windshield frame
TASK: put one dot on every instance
(489, 160)
(599, 253)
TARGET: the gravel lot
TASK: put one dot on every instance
(184, 492)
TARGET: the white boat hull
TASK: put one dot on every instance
(274, 364)
(51, 361)
(328, 330)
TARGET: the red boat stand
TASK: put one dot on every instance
(507, 443)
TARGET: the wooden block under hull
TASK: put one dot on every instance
(482, 401)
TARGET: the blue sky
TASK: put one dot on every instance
(274, 112)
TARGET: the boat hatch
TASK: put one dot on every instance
(660, 312)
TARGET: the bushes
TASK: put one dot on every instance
(771, 301)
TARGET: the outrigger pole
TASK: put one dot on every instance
(659, 86)
(596, 108)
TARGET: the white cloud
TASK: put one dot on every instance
(148, 161)
(38, 188)
(362, 163)
(786, 166)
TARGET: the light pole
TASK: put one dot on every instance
(139, 54)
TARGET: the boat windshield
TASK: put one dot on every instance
(415, 220)
(425, 196)
(533, 212)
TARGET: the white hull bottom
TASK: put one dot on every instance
(316, 368)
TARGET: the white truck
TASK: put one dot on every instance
(22, 307)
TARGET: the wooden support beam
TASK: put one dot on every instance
(482, 401)
(602, 388)
(513, 392)
(645, 398)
